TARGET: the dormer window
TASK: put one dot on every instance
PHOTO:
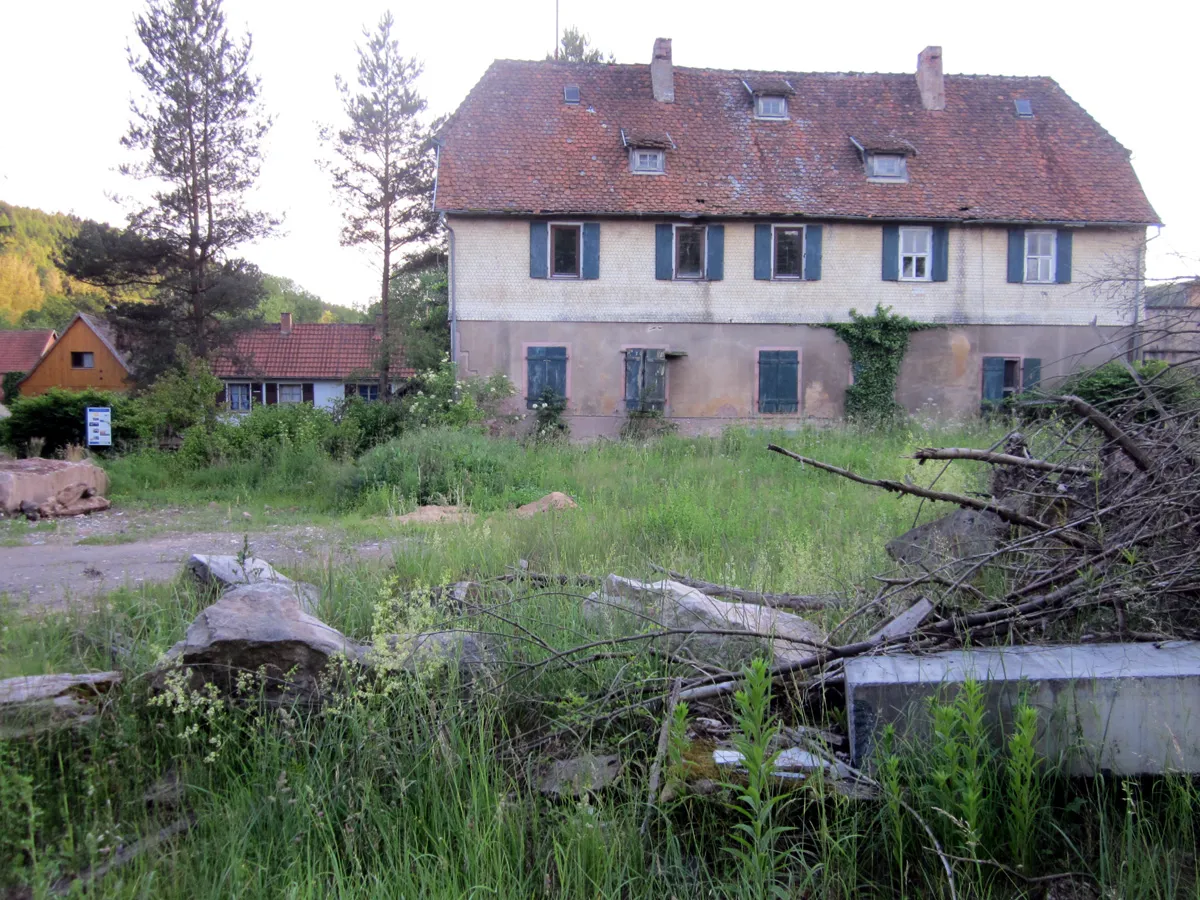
(645, 161)
(887, 167)
(770, 106)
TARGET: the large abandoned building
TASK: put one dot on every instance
(666, 238)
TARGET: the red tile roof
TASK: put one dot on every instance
(320, 352)
(514, 147)
(20, 350)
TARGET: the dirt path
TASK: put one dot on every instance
(51, 569)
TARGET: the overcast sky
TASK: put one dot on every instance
(64, 104)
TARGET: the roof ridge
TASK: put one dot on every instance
(736, 71)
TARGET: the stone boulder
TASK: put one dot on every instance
(225, 572)
(32, 704)
(426, 651)
(431, 515)
(40, 481)
(963, 533)
(262, 627)
(553, 500)
(73, 500)
(786, 636)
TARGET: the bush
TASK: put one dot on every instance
(183, 396)
(58, 417)
(10, 387)
(264, 432)
(1111, 384)
(443, 464)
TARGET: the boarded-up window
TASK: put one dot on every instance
(547, 369)
(778, 381)
(645, 379)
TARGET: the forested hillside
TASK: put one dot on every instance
(36, 293)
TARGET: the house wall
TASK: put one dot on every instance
(54, 369)
(491, 280)
(500, 310)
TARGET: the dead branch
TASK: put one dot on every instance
(656, 768)
(759, 598)
(62, 887)
(999, 459)
(1109, 428)
(1011, 516)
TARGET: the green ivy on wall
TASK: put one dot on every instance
(877, 345)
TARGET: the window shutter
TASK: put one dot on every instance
(812, 253)
(633, 377)
(1031, 373)
(307, 392)
(778, 387)
(349, 390)
(941, 253)
(664, 252)
(539, 248)
(1016, 255)
(993, 379)
(654, 380)
(762, 252)
(256, 393)
(1062, 264)
(547, 368)
(222, 395)
(272, 393)
(715, 269)
(591, 250)
(891, 253)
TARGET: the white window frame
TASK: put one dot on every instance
(1051, 258)
(675, 253)
(927, 255)
(758, 106)
(358, 390)
(578, 226)
(901, 173)
(229, 388)
(803, 251)
(660, 161)
(279, 388)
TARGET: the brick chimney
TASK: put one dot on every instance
(662, 72)
(285, 323)
(929, 78)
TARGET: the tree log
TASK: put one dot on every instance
(1000, 459)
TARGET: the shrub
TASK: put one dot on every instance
(10, 387)
(1112, 384)
(58, 417)
(430, 465)
(265, 431)
(549, 409)
(184, 396)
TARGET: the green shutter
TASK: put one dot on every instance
(654, 380)
(993, 379)
(539, 247)
(1016, 255)
(1031, 373)
(1062, 263)
(715, 268)
(891, 253)
(812, 252)
(941, 253)
(762, 252)
(547, 368)
(633, 378)
(778, 388)
(591, 250)
(664, 252)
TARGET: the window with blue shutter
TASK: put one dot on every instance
(539, 246)
(812, 252)
(1001, 378)
(645, 379)
(1016, 255)
(1062, 264)
(664, 252)
(762, 252)
(1031, 373)
(591, 251)
(891, 253)
(778, 381)
(715, 241)
(941, 253)
(547, 369)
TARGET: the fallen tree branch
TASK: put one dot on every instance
(1109, 428)
(1000, 459)
(1011, 516)
(62, 887)
(656, 768)
(759, 598)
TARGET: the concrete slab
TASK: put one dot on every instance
(1128, 709)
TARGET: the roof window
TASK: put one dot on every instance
(1024, 109)
(647, 161)
(571, 94)
(887, 166)
(770, 106)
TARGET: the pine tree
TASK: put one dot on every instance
(196, 134)
(383, 164)
(576, 47)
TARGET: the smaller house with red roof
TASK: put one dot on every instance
(302, 363)
(21, 350)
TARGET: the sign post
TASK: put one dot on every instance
(98, 422)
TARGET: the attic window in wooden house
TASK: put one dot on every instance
(1024, 109)
(82, 360)
(646, 161)
(571, 94)
(887, 167)
(770, 106)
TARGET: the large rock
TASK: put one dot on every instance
(428, 651)
(262, 628)
(553, 500)
(961, 534)
(226, 572)
(39, 481)
(74, 500)
(787, 637)
(35, 703)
